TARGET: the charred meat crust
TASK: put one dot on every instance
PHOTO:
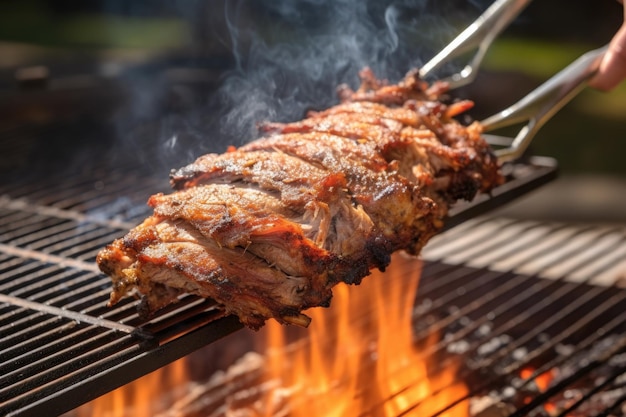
(268, 229)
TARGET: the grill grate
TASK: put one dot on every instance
(61, 346)
(533, 296)
(553, 304)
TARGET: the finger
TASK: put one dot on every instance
(612, 69)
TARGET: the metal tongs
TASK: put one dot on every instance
(537, 107)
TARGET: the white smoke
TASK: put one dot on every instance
(288, 56)
(291, 55)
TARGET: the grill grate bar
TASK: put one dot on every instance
(55, 236)
(60, 376)
(72, 180)
(609, 327)
(610, 268)
(47, 279)
(528, 294)
(26, 325)
(517, 365)
(207, 323)
(544, 325)
(48, 258)
(52, 337)
(98, 377)
(33, 224)
(614, 409)
(467, 280)
(39, 369)
(588, 297)
(78, 287)
(486, 383)
(562, 385)
(462, 281)
(22, 206)
(596, 314)
(465, 238)
(599, 387)
(120, 196)
(134, 188)
(20, 273)
(60, 312)
(53, 307)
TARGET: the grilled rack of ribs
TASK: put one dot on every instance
(268, 229)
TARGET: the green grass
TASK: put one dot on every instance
(532, 57)
(589, 133)
(24, 22)
(542, 60)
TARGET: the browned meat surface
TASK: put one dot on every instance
(268, 229)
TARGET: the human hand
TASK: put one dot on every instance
(612, 68)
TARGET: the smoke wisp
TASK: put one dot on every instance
(288, 56)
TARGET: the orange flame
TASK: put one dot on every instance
(144, 397)
(357, 358)
(542, 381)
(360, 358)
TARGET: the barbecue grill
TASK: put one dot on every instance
(537, 286)
(61, 344)
(506, 294)
(548, 303)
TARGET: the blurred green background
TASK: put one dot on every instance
(588, 136)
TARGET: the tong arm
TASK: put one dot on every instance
(480, 34)
(542, 103)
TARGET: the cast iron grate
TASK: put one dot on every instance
(60, 345)
(542, 333)
(541, 297)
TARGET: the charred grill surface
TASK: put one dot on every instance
(268, 229)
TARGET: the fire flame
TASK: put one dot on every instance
(144, 397)
(542, 382)
(359, 357)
